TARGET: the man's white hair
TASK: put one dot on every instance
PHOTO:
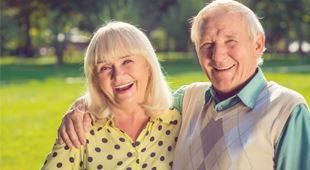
(251, 21)
(114, 40)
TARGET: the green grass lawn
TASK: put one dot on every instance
(31, 110)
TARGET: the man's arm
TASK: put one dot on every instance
(178, 96)
(74, 125)
(293, 147)
(75, 122)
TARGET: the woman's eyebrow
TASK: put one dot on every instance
(125, 56)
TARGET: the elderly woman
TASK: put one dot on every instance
(128, 100)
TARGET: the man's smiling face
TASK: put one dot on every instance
(226, 52)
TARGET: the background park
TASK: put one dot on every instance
(43, 43)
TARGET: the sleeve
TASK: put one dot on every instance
(62, 157)
(293, 147)
(178, 96)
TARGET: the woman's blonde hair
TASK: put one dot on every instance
(251, 21)
(114, 40)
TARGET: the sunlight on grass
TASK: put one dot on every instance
(31, 113)
(34, 98)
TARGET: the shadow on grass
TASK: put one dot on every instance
(24, 72)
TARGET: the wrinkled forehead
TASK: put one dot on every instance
(220, 24)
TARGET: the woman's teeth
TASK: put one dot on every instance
(124, 85)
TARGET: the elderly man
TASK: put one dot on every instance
(239, 120)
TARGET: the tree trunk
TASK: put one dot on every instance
(60, 48)
(27, 49)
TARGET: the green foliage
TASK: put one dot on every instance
(28, 25)
(159, 38)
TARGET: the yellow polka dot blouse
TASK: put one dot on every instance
(110, 148)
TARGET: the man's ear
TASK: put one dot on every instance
(197, 51)
(259, 46)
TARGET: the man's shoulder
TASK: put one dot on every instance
(198, 85)
(194, 86)
(282, 91)
(277, 92)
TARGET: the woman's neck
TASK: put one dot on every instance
(131, 121)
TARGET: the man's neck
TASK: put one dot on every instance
(225, 95)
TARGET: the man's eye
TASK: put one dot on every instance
(127, 61)
(206, 45)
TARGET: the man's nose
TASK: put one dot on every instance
(219, 52)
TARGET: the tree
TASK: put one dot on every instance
(22, 11)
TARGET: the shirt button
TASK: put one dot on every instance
(135, 154)
(219, 108)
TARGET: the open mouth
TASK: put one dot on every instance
(124, 87)
(224, 68)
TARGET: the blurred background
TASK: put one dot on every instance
(43, 43)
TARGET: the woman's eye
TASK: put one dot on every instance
(127, 61)
(104, 68)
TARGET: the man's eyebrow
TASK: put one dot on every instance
(230, 36)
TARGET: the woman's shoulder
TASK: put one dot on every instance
(171, 115)
(97, 127)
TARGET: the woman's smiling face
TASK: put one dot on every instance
(124, 80)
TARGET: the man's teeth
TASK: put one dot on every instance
(118, 87)
(224, 68)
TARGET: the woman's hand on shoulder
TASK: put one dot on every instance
(75, 123)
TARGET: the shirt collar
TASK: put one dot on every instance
(165, 117)
(248, 95)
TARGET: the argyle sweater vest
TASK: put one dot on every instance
(240, 137)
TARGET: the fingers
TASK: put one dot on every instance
(61, 141)
(68, 133)
(73, 123)
(79, 136)
(87, 122)
(71, 130)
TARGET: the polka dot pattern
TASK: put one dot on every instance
(117, 147)
(110, 157)
(122, 139)
(104, 140)
(109, 147)
(59, 165)
(71, 159)
(144, 165)
(143, 150)
(99, 167)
